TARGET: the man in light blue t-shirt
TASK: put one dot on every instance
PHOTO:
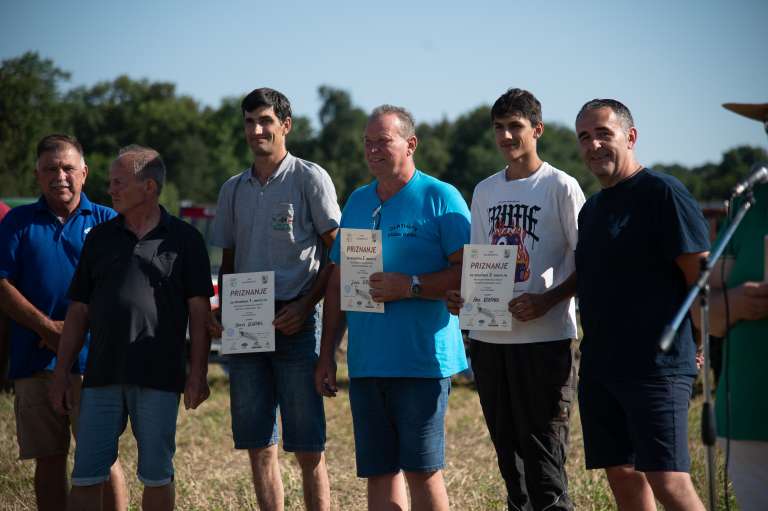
(400, 362)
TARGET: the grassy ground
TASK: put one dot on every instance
(211, 475)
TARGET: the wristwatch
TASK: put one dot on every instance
(415, 286)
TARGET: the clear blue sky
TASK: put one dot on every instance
(673, 62)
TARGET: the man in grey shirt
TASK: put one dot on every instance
(281, 214)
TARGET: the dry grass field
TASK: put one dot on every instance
(211, 475)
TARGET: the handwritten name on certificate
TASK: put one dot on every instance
(247, 312)
(487, 282)
(360, 258)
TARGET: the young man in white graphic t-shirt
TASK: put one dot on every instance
(525, 376)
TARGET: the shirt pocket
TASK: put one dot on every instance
(161, 267)
(281, 222)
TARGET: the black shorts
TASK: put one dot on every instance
(643, 423)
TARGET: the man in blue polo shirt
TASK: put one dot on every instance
(400, 362)
(40, 247)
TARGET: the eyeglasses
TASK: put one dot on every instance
(376, 217)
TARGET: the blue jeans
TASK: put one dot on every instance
(104, 413)
(399, 424)
(260, 383)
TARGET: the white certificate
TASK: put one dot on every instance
(360, 258)
(487, 282)
(247, 312)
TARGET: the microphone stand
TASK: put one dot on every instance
(701, 289)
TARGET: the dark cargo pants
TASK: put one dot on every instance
(526, 391)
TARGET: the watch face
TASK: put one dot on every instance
(415, 286)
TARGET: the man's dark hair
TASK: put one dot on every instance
(517, 101)
(265, 96)
(57, 141)
(621, 111)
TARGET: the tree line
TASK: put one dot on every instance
(203, 146)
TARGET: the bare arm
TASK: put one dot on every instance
(18, 308)
(530, 306)
(290, 319)
(70, 344)
(746, 302)
(334, 322)
(318, 287)
(214, 317)
(389, 286)
(690, 265)
(196, 390)
(227, 265)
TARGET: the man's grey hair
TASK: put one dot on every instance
(407, 126)
(621, 111)
(146, 162)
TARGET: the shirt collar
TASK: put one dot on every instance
(164, 222)
(85, 204)
(280, 169)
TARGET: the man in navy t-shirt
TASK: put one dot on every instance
(640, 242)
(40, 247)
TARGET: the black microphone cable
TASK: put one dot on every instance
(727, 362)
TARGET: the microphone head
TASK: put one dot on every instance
(758, 175)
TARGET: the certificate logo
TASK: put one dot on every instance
(264, 279)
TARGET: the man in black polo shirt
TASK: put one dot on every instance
(640, 241)
(140, 277)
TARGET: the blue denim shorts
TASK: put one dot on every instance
(399, 424)
(643, 423)
(104, 413)
(260, 383)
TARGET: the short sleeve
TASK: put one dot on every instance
(320, 194)
(479, 232)
(197, 266)
(223, 233)
(10, 241)
(685, 230)
(335, 253)
(454, 221)
(81, 287)
(570, 205)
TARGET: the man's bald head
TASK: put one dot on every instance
(145, 163)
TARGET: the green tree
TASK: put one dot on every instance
(30, 108)
(559, 147)
(197, 152)
(473, 151)
(339, 145)
(433, 154)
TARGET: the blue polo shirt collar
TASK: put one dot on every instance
(85, 206)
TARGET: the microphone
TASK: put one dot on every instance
(759, 175)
